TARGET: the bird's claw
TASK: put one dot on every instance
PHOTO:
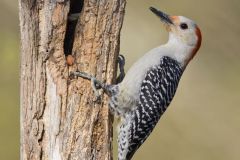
(95, 87)
(121, 64)
(97, 99)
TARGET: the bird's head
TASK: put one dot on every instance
(182, 31)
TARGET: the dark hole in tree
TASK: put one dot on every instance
(75, 9)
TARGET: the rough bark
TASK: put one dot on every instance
(59, 118)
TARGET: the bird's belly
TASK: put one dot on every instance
(129, 89)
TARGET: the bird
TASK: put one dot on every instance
(144, 93)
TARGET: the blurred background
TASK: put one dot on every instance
(9, 80)
(202, 123)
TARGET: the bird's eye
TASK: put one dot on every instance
(184, 26)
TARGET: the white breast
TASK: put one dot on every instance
(131, 84)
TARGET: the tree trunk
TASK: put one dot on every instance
(59, 118)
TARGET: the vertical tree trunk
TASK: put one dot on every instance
(59, 119)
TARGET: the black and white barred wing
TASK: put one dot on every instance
(157, 91)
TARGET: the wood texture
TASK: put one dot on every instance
(59, 118)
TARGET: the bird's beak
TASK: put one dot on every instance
(163, 16)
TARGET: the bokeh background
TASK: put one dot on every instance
(202, 123)
(9, 80)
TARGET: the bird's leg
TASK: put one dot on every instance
(121, 64)
(96, 84)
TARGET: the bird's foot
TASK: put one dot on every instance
(121, 64)
(96, 84)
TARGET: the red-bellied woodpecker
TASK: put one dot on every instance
(150, 84)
